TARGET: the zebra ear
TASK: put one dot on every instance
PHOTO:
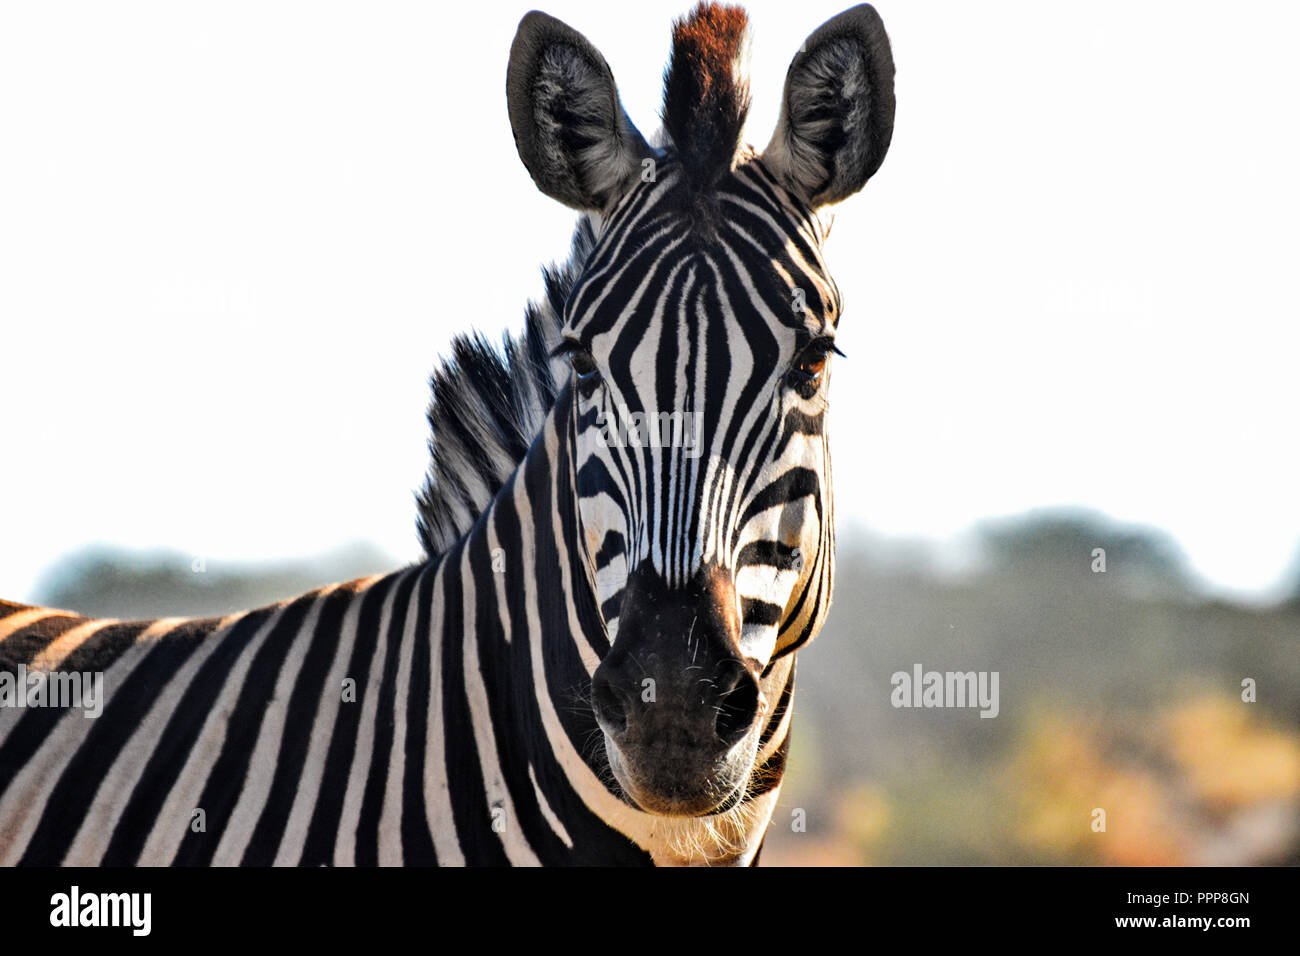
(837, 114)
(570, 128)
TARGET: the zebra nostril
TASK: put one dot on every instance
(737, 710)
(611, 713)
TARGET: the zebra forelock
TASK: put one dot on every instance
(706, 91)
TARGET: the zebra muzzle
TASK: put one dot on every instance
(678, 704)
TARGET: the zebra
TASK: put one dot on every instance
(594, 661)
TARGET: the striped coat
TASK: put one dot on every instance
(595, 661)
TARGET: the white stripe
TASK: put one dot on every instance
(390, 816)
(9, 716)
(16, 622)
(260, 775)
(175, 817)
(294, 840)
(23, 802)
(545, 806)
(345, 846)
(114, 790)
(437, 796)
(57, 651)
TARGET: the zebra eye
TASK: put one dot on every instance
(584, 367)
(811, 365)
(581, 361)
(805, 374)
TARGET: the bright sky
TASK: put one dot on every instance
(235, 237)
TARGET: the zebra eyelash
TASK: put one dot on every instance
(821, 343)
(566, 347)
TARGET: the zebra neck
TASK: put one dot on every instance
(516, 634)
(523, 558)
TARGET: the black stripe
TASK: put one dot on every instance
(417, 841)
(24, 644)
(798, 422)
(125, 708)
(610, 548)
(480, 845)
(227, 774)
(761, 613)
(515, 724)
(323, 832)
(299, 721)
(35, 724)
(767, 553)
(372, 801)
(794, 484)
(527, 685)
(778, 712)
(163, 768)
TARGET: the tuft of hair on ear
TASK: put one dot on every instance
(706, 94)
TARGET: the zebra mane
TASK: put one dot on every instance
(488, 404)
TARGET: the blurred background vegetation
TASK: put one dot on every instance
(1119, 690)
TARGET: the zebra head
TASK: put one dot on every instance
(700, 332)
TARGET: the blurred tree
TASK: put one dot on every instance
(112, 582)
(1078, 541)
